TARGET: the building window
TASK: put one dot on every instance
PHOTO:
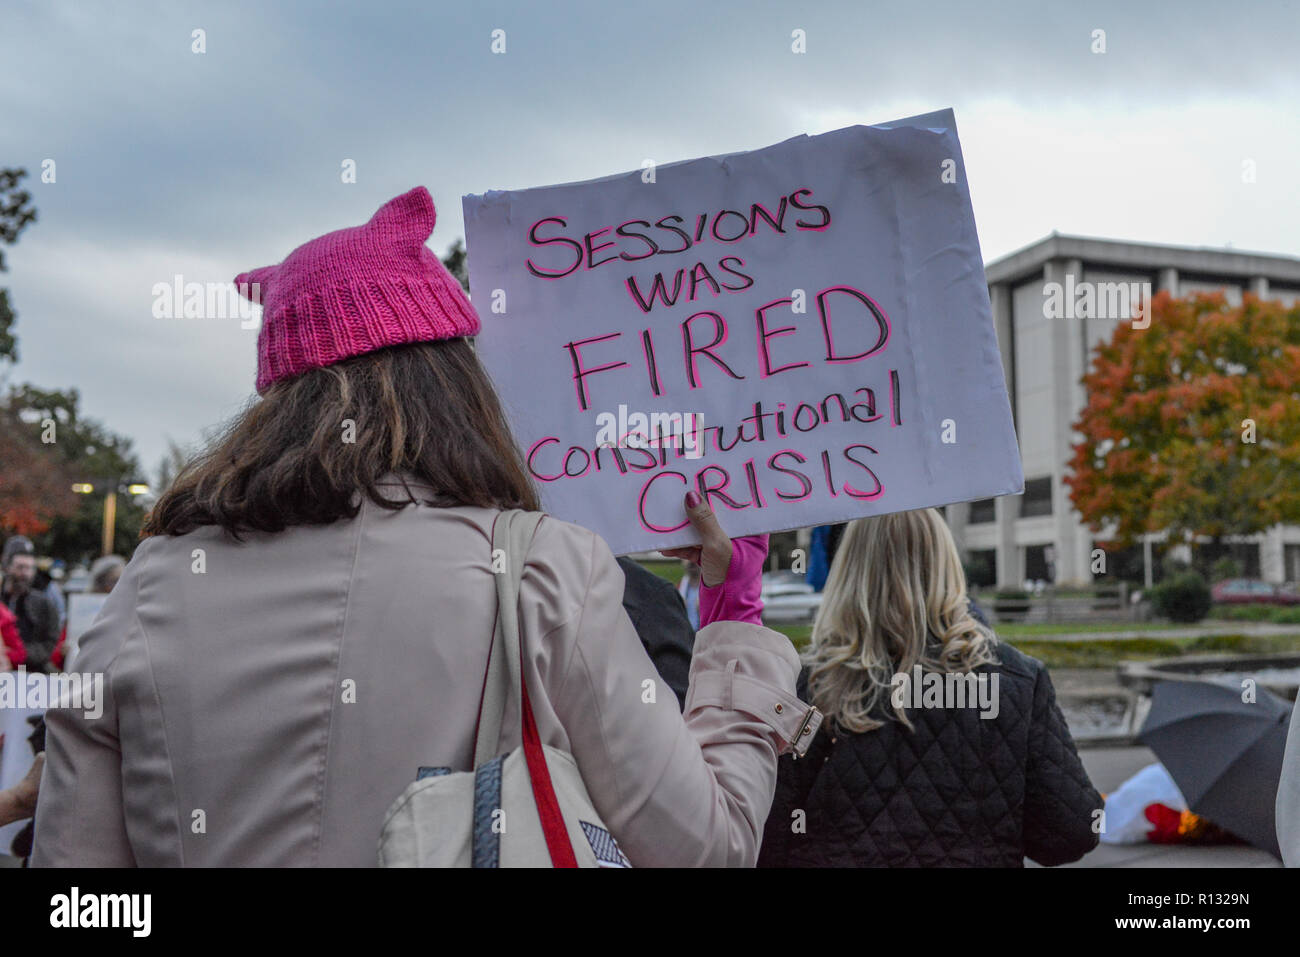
(1247, 556)
(1037, 499)
(1291, 560)
(1039, 563)
(982, 512)
(981, 568)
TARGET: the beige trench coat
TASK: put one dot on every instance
(267, 701)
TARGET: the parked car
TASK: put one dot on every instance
(784, 582)
(791, 607)
(1247, 591)
(787, 597)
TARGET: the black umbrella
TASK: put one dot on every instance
(1224, 754)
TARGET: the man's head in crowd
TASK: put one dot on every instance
(18, 563)
(105, 572)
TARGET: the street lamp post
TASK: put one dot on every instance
(110, 506)
(110, 522)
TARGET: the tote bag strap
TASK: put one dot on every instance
(512, 534)
(496, 680)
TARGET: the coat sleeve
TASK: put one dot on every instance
(677, 789)
(1060, 801)
(80, 818)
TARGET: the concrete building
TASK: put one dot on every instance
(1038, 535)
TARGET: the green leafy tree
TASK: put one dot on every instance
(15, 214)
(456, 264)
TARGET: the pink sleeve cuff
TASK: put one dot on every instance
(740, 596)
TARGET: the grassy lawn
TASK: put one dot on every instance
(1106, 653)
(1011, 629)
(1103, 653)
(1014, 630)
(1286, 615)
(671, 570)
(1100, 653)
(798, 634)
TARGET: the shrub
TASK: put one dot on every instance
(1184, 597)
(1011, 604)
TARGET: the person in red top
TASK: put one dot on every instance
(12, 652)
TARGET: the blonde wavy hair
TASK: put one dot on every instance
(896, 580)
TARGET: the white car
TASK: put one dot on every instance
(788, 598)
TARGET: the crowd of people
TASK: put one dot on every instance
(307, 622)
(33, 614)
(33, 608)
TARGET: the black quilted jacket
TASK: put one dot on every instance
(960, 791)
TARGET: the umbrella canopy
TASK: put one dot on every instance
(1225, 754)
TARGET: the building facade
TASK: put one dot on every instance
(1045, 353)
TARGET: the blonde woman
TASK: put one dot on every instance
(942, 746)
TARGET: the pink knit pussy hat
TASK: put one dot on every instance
(356, 290)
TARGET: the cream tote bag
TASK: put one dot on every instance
(528, 808)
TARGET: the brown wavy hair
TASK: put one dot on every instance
(310, 448)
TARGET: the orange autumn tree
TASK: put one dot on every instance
(35, 484)
(1192, 425)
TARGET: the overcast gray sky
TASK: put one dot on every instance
(209, 164)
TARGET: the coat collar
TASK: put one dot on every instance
(404, 487)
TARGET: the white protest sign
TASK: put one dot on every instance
(83, 608)
(801, 333)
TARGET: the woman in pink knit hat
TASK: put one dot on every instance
(309, 619)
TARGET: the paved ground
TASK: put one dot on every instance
(1109, 768)
(1087, 681)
